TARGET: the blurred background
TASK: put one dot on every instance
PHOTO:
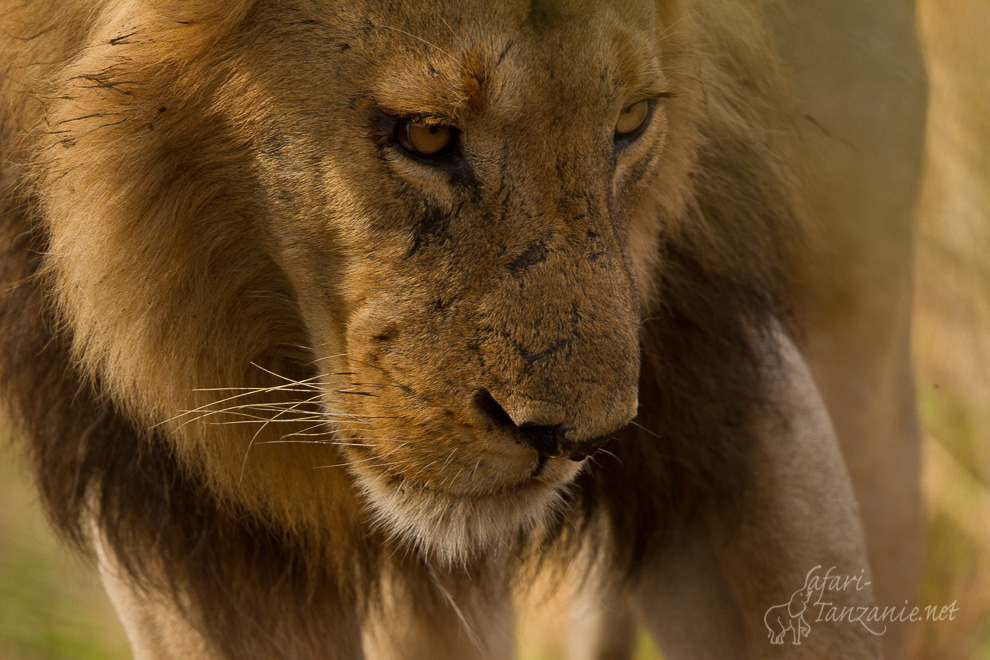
(952, 325)
(53, 607)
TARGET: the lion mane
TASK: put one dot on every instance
(209, 397)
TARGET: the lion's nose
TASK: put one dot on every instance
(543, 428)
(553, 441)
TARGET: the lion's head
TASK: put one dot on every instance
(345, 251)
(460, 251)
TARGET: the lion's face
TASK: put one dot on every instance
(456, 199)
(474, 313)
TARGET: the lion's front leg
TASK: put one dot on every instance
(154, 627)
(707, 594)
(601, 625)
(425, 613)
(159, 627)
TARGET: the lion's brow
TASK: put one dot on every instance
(448, 85)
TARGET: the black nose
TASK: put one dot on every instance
(553, 441)
(550, 440)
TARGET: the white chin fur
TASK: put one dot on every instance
(452, 529)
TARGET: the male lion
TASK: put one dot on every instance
(326, 321)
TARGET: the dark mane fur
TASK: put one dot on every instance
(91, 464)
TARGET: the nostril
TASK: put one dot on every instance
(544, 439)
(492, 411)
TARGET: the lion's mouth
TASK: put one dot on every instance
(452, 523)
(541, 463)
(546, 472)
(458, 485)
(542, 460)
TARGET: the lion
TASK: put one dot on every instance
(327, 324)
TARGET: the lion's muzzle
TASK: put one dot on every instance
(559, 347)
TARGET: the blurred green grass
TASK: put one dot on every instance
(53, 608)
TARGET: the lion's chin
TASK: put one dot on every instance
(453, 529)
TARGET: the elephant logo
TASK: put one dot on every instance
(790, 615)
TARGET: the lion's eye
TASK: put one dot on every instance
(426, 140)
(632, 120)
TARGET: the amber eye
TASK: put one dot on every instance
(632, 120)
(425, 140)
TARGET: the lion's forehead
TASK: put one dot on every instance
(502, 56)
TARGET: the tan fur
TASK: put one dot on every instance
(804, 496)
(862, 170)
(313, 359)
